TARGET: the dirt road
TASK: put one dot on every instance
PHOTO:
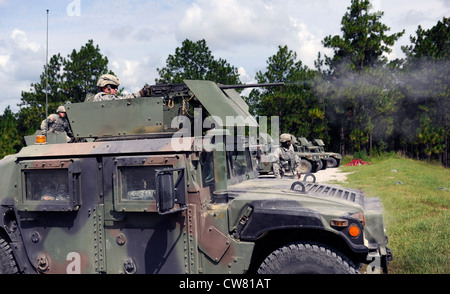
(331, 174)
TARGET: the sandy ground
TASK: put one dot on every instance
(331, 174)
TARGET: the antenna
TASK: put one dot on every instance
(46, 75)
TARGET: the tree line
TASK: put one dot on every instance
(355, 100)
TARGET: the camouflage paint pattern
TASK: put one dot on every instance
(99, 206)
(337, 157)
(308, 152)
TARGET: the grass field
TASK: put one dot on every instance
(415, 196)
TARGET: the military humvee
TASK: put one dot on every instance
(140, 192)
(303, 145)
(311, 161)
(334, 159)
(262, 155)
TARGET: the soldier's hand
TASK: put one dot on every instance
(299, 175)
(145, 91)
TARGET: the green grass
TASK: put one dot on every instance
(415, 196)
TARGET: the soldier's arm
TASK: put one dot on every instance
(130, 96)
(44, 126)
(276, 154)
(69, 131)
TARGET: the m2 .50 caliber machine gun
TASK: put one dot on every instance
(169, 91)
(180, 99)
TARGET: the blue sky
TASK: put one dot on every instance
(138, 36)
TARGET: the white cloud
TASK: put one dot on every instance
(134, 74)
(21, 63)
(306, 44)
(130, 71)
(142, 34)
(260, 26)
(4, 59)
(21, 40)
(227, 23)
(244, 77)
(246, 30)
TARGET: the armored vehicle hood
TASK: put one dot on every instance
(311, 198)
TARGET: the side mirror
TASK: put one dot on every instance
(168, 193)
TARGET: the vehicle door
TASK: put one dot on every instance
(56, 204)
(144, 220)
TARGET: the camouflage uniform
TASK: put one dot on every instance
(102, 96)
(57, 124)
(107, 80)
(286, 161)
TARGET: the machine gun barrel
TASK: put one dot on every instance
(165, 90)
(249, 85)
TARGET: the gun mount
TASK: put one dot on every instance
(154, 115)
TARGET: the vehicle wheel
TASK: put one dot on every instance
(306, 258)
(319, 166)
(332, 162)
(305, 166)
(7, 263)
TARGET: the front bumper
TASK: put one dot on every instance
(378, 262)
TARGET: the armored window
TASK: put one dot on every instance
(138, 182)
(240, 162)
(50, 185)
(135, 181)
(47, 185)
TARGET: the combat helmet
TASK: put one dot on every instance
(108, 79)
(285, 138)
(60, 109)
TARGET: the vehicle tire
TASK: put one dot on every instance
(7, 263)
(306, 258)
(319, 166)
(305, 166)
(331, 162)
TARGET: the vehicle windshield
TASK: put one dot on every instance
(239, 162)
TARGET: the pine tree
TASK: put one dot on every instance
(69, 81)
(82, 70)
(299, 111)
(359, 87)
(425, 83)
(10, 140)
(194, 60)
(364, 40)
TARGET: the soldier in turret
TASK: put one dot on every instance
(286, 161)
(109, 84)
(57, 123)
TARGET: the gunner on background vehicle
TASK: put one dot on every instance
(57, 123)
